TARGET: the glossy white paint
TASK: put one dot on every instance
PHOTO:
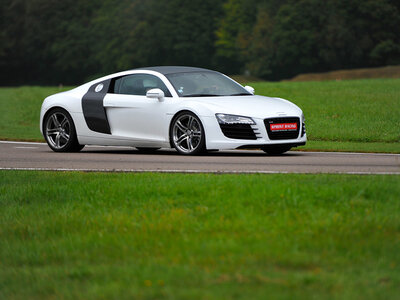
(144, 120)
(137, 117)
(156, 93)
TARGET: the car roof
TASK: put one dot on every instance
(173, 69)
(165, 70)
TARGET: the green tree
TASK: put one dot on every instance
(233, 33)
(313, 36)
(259, 50)
(51, 42)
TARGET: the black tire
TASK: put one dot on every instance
(187, 134)
(276, 150)
(147, 149)
(59, 131)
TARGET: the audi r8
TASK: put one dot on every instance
(193, 110)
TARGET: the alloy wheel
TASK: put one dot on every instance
(58, 130)
(187, 134)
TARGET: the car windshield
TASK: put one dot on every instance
(205, 84)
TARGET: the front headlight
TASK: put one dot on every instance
(233, 119)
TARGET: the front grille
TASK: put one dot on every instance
(282, 134)
(238, 131)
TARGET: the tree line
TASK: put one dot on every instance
(72, 41)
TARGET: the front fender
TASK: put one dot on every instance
(203, 111)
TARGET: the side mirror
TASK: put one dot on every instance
(249, 89)
(155, 93)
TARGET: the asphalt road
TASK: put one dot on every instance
(17, 155)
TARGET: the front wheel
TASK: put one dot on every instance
(187, 134)
(276, 150)
(59, 131)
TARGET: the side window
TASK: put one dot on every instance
(139, 84)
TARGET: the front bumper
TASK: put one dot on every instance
(215, 138)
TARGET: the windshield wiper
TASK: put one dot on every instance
(202, 95)
(241, 94)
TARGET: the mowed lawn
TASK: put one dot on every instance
(203, 236)
(20, 112)
(353, 115)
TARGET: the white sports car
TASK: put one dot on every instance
(190, 109)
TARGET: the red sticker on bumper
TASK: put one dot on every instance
(283, 126)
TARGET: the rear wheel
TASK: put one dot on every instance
(276, 150)
(187, 134)
(59, 131)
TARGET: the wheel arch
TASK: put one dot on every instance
(71, 140)
(182, 111)
(48, 111)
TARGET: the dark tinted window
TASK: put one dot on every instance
(139, 84)
(205, 83)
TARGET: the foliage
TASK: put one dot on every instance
(69, 41)
(51, 42)
(312, 36)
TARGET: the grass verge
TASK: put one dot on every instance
(203, 236)
(370, 147)
(20, 112)
(354, 115)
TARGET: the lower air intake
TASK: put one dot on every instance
(238, 131)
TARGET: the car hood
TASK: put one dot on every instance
(252, 106)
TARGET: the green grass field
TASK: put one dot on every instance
(20, 112)
(354, 115)
(204, 236)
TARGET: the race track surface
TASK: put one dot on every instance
(32, 156)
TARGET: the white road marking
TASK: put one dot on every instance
(313, 152)
(191, 171)
(22, 143)
(26, 147)
(45, 144)
(350, 153)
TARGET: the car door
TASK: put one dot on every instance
(133, 115)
